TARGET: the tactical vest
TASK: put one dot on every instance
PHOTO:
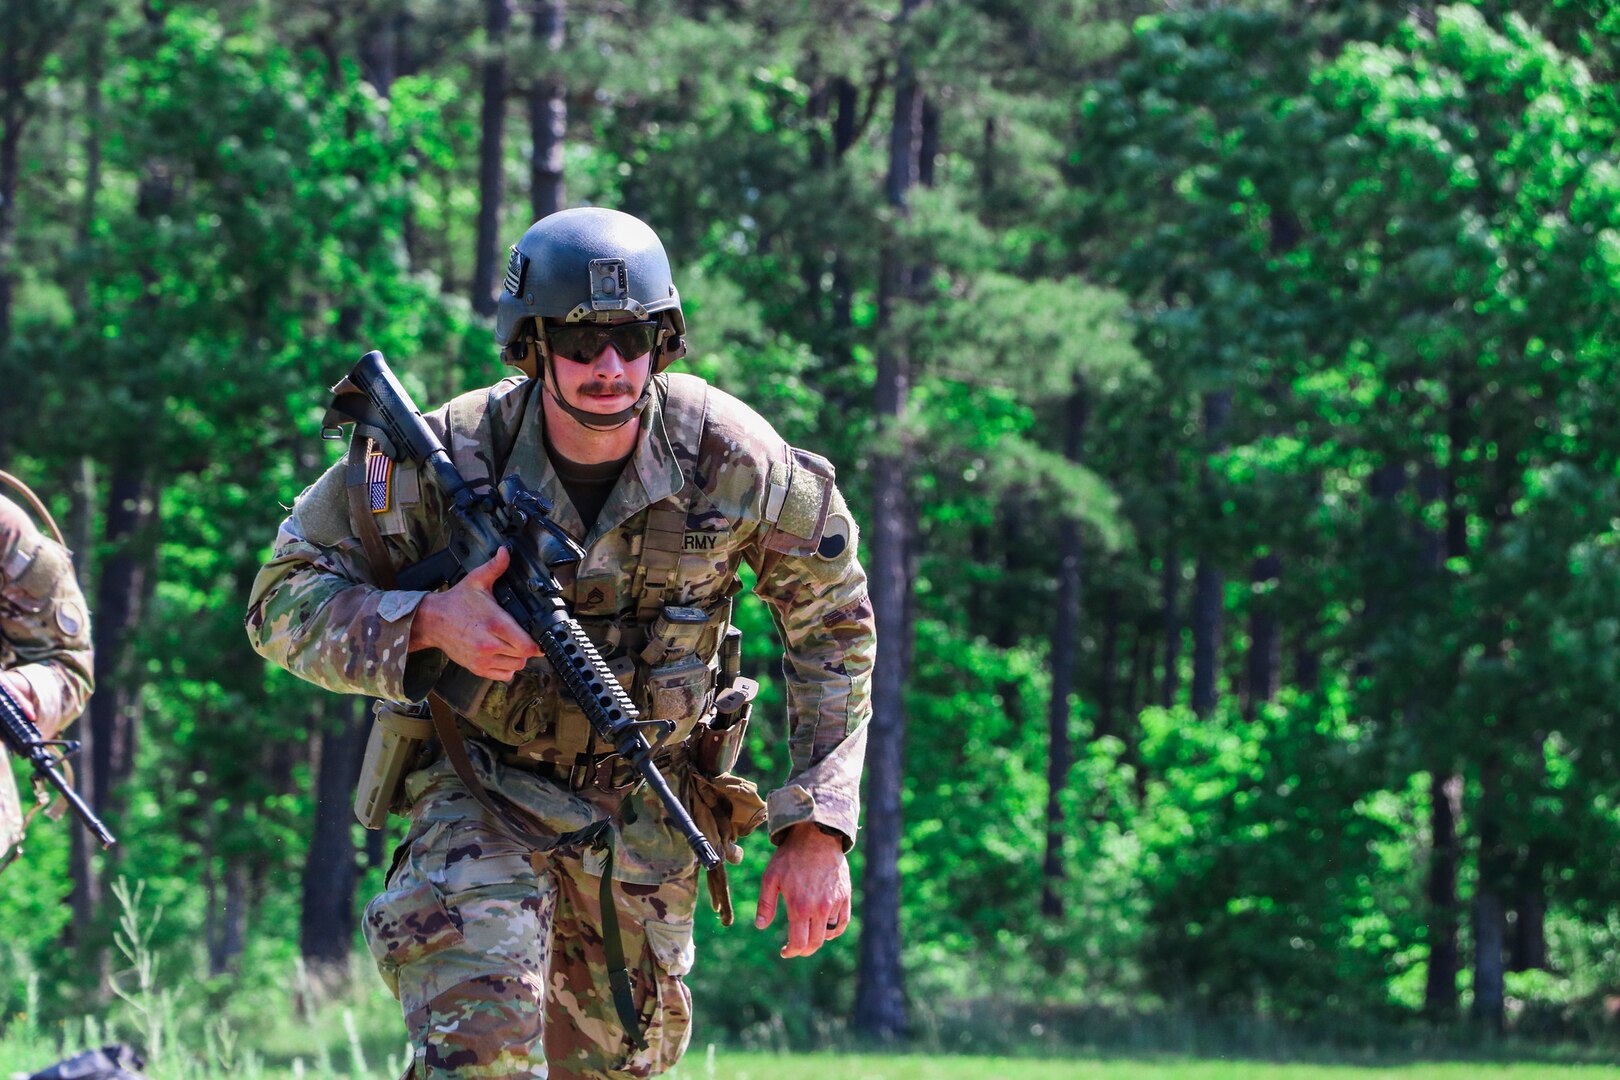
(666, 656)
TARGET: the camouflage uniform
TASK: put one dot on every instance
(44, 638)
(494, 950)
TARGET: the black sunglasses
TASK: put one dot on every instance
(584, 342)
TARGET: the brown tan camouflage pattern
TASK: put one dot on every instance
(497, 955)
(44, 637)
(494, 954)
(314, 610)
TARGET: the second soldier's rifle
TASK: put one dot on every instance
(22, 738)
(483, 520)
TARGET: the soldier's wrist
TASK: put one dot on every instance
(813, 832)
(425, 624)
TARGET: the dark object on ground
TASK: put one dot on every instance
(115, 1062)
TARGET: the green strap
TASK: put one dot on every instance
(618, 973)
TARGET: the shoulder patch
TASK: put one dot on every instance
(838, 537)
(321, 513)
(379, 477)
(70, 618)
(798, 496)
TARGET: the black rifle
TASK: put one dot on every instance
(24, 739)
(484, 520)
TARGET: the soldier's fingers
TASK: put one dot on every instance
(768, 890)
(799, 932)
(838, 921)
(506, 636)
(17, 689)
(483, 577)
(502, 668)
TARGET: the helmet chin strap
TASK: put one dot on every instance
(598, 421)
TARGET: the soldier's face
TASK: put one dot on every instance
(608, 383)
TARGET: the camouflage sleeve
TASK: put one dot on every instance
(314, 608)
(811, 578)
(44, 624)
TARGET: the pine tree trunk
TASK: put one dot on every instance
(487, 264)
(880, 1007)
(81, 851)
(1170, 594)
(122, 588)
(1490, 955)
(548, 112)
(1265, 633)
(1065, 653)
(1445, 962)
(1307, 660)
(331, 874)
(1108, 669)
(1208, 583)
(1490, 909)
(13, 113)
(379, 51)
(232, 924)
(1529, 943)
(1440, 1000)
(1208, 587)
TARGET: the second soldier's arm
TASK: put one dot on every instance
(44, 624)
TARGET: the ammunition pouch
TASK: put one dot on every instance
(399, 732)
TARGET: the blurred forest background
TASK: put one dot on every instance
(1227, 392)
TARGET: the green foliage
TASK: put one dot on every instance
(1325, 287)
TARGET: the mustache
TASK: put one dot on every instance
(607, 389)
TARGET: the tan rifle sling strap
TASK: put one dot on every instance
(444, 718)
(35, 503)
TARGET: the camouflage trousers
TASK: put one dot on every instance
(497, 958)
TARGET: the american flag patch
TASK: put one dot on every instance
(517, 267)
(379, 471)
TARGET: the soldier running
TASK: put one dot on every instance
(498, 952)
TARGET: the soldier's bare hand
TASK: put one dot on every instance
(808, 872)
(468, 626)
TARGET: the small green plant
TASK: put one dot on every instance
(151, 1009)
(357, 1055)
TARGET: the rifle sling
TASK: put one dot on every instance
(624, 1002)
(365, 524)
(455, 748)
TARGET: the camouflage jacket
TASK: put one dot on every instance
(44, 624)
(44, 638)
(749, 498)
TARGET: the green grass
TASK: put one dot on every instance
(732, 1066)
(728, 1065)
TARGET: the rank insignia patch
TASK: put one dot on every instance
(379, 477)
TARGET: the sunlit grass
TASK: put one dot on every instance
(738, 1066)
(705, 1064)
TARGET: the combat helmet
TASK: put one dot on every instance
(589, 264)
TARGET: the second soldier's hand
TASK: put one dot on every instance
(468, 626)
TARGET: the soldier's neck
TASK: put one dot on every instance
(584, 445)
